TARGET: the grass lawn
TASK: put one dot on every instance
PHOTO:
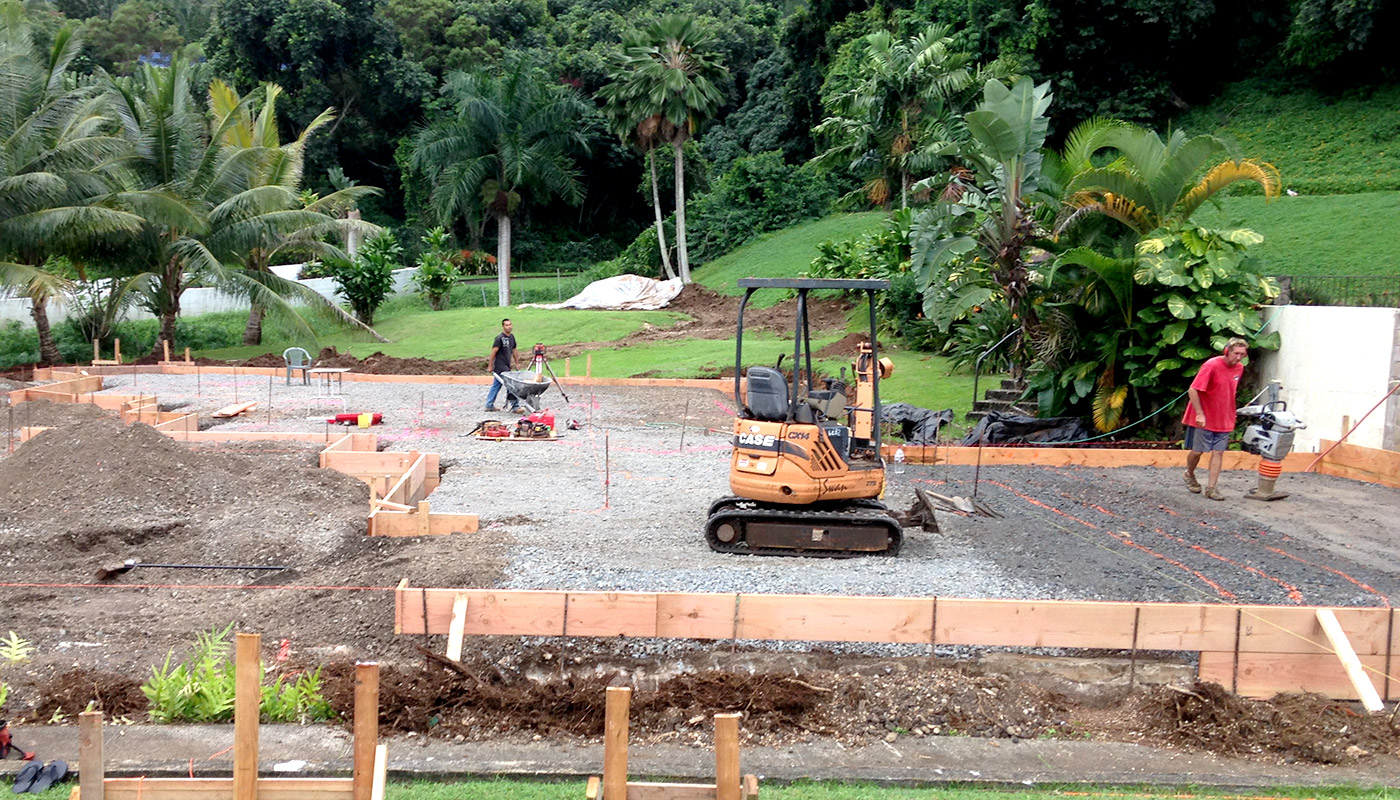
(1353, 234)
(781, 254)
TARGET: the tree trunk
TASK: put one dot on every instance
(252, 333)
(660, 227)
(172, 288)
(48, 351)
(503, 259)
(681, 254)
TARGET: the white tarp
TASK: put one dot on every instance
(622, 293)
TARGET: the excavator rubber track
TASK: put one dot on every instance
(847, 529)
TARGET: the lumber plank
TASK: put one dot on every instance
(354, 462)
(1071, 457)
(835, 619)
(643, 790)
(365, 729)
(1284, 629)
(235, 410)
(728, 785)
(489, 612)
(381, 772)
(1365, 690)
(1034, 624)
(594, 785)
(750, 786)
(457, 630)
(618, 700)
(222, 789)
(391, 506)
(1267, 674)
(1383, 463)
(90, 759)
(611, 614)
(684, 615)
(246, 699)
(398, 523)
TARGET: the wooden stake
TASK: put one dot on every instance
(607, 469)
(381, 771)
(727, 786)
(1365, 690)
(425, 518)
(90, 761)
(187, 355)
(685, 416)
(456, 633)
(269, 399)
(566, 366)
(117, 350)
(165, 347)
(588, 367)
(619, 701)
(247, 697)
(366, 729)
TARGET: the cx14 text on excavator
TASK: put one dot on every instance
(806, 469)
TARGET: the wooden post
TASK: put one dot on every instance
(90, 762)
(456, 633)
(1365, 690)
(619, 701)
(381, 771)
(366, 729)
(165, 347)
(588, 367)
(117, 350)
(727, 785)
(425, 518)
(566, 366)
(247, 697)
(187, 355)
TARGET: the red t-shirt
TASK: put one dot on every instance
(1216, 385)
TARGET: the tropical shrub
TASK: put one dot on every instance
(757, 194)
(476, 262)
(365, 281)
(881, 254)
(1142, 324)
(13, 650)
(436, 273)
(202, 689)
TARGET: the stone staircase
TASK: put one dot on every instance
(1004, 400)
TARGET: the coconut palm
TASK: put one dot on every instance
(205, 202)
(269, 218)
(894, 123)
(665, 80)
(1149, 183)
(508, 135)
(56, 143)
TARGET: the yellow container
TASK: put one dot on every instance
(365, 420)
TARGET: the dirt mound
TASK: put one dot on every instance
(140, 489)
(46, 414)
(846, 348)
(113, 694)
(1290, 726)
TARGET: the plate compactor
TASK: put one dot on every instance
(806, 469)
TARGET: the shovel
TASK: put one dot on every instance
(109, 571)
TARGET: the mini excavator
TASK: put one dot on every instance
(806, 469)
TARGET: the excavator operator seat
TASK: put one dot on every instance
(766, 394)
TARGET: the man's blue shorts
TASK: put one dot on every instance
(1200, 440)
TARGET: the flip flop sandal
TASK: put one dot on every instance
(1193, 485)
(1214, 494)
(26, 776)
(52, 773)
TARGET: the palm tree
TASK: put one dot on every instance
(509, 134)
(203, 204)
(269, 219)
(665, 79)
(55, 145)
(643, 135)
(902, 112)
(1150, 183)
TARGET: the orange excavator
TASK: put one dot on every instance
(806, 469)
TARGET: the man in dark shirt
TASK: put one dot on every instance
(502, 359)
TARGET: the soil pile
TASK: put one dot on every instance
(47, 414)
(105, 489)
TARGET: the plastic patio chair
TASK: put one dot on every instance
(297, 358)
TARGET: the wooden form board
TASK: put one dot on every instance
(222, 789)
(420, 522)
(1079, 457)
(1360, 463)
(1262, 635)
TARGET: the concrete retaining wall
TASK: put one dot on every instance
(1335, 364)
(203, 301)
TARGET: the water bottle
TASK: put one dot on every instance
(899, 460)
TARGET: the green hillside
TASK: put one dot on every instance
(1352, 234)
(782, 254)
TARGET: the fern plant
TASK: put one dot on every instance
(13, 650)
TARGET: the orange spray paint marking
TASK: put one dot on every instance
(1384, 599)
(1126, 540)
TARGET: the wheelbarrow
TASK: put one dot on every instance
(525, 386)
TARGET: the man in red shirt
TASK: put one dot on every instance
(1210, 415)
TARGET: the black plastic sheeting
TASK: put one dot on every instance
(917, 425)
(998, 428)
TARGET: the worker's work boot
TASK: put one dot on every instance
(1192, 484)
